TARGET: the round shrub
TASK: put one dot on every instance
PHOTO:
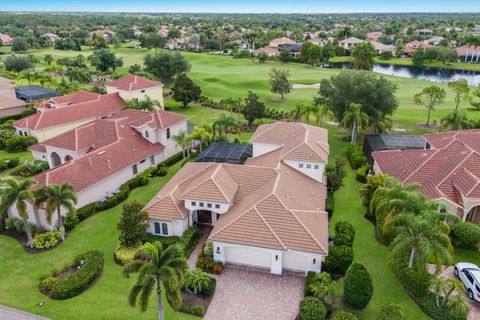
(358, 286)
(339, 259)
(467, 234)
(391, 311)
(15, 144)
(343, 315)
(344, 234)
(89, 266)
(362, 173)
(312, 309)
(344, 227)
(70, 220)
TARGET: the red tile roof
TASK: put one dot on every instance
(448, 170)
(74, 98)
(414, 45)
(127, 148)
(105, 105)
(133, 82)
(159, 119)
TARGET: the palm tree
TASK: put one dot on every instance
(320, 111)
(354, 118)
(297, 113)
(457, 305)
(422, 237)
(165, 267)
(306, 111)
(197, 279)
(203, 135)
(368, 189)
(55, 197)
(323, 287)
(13, 191)
(226, 122)
(456, 120)
(26, 75)
(182, 140)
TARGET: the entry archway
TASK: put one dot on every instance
(55, 159)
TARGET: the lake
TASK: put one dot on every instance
(423, 73)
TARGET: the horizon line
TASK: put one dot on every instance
(213, 12)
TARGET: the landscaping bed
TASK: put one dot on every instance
(197, 303)
(74, 279)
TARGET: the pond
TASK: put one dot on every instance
(423, 73)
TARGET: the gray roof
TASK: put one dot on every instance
(28, 93)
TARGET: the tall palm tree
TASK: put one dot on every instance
(354, 118)
(182, 139)
(203, 135)
(320, 111)
(455, 120)
(18, 193)
(165, 267)
(421, 237)
(225, 123)
(297, 113)
(26, 75)
(307, 110)
(368, 189)
(55, 197)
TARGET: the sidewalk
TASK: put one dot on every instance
(204, 233)
(7, 313)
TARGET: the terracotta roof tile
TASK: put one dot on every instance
(133, 82)
(159, 119)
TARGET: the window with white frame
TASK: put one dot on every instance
(201, 204)
(164, 229)
(309, 166)
(300, 165)
(135, 169)
(217, 206)
(152, 160)
(168, 133)
(194, 203)
(316, 167)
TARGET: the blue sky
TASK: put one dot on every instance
(242, 6)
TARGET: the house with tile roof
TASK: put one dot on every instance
(5, 40)
(134, 87)
(267, 213)
(447, 169)
(9, 104)
(68, 100)
(98, 157)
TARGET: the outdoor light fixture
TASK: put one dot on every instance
(276, 257)
(314, 261)
(218, 250)
(41, 304)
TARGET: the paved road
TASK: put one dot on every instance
(7, 313)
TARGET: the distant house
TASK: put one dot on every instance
(350, 43)
(424, 32)
(380, 47)
(475, 32)
(292, 48)
(5, 40)
(270, 51)
(104, 33)
(277, 45)
(446, 169)
(53, 122)
(468, 54)
(134, 87)
(52, 37)
(68, 100)
(318, 41)
(98, 157)
(412, 46)
(435, 41)
(9, 104)
(374, 35)
(280, 41)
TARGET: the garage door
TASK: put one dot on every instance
(248, 256)
(294, 261)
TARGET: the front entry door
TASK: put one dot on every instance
(204, 217)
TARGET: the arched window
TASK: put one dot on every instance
(68, 158)
(168, 133)
(55, 158)
(146, 134)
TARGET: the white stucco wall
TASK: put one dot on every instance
(39, 156)
(170, 147)
(175, 227)
(62, 153)
(262, 148)
(223, 207)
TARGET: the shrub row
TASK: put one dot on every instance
(14, 224)
(340, 256)
(196, 310)
(355, 156)
(125, 189)
(48, 239)
(75, 283)
(189, 240)
(205, 260)
(30, 168)
(19, 143)
(8, 163)
(466, 235)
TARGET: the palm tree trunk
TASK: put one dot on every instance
(37, 216)
(29, 233)
(428, 117)
(60, 224)
(160, 301)
(354, 131)
(412, 257)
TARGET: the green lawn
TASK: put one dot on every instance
(348, 207)
(27, 155)
(107, 299)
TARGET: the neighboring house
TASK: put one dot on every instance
(98, 157)
(468, 54)
(33, 93)
(270, 51)
(267, 213)
(380, 47)
(435, 41)
(274, 47)
(278, 41)
(412, 46)
(424, 32)
(381, 142)
(68, 100)
(475, 32)
(9, 104)
(52, 37)
(133, 87)
(5, 39)
(447, 170)
(374, 35)
(350, 43)
(318, 41)
(52, 122)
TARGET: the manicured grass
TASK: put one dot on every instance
(348, 207)
(107, 299)
(27, 155)
(464, 255)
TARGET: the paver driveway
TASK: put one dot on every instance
(243, 294)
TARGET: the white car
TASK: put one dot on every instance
(469, 274)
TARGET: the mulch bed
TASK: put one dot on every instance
(22, 239)
(192, 299)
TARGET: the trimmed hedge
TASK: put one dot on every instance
(19, 143)
(197, 310)
(362, 173)
(312, 309)
(77, 282)
(339, 259)
(466, 234)
(309, 280)
(355, 156)
(343, 315)
(358, 286)
(391, 311)
(330, 204)
(125, 255)
(189, 240)
(344, 234)
(44, 240)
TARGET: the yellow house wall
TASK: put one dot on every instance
(155, 93)
(51, 132)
